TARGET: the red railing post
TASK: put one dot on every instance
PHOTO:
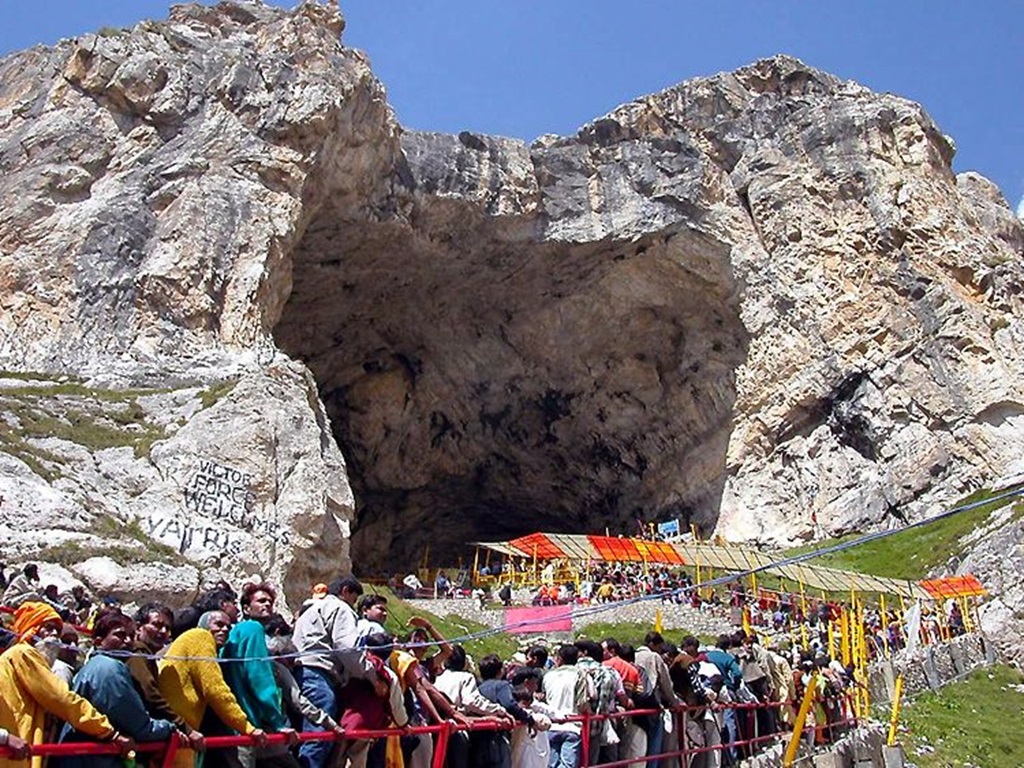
(169, 753)
(441, 748)
(585, 741)
(680, 716)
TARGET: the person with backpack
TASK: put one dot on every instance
(568, 691)
(699, 726)
(658, 691)
(756, 667)
(610, 695)
(732, 677)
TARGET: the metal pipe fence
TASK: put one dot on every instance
(686, 751)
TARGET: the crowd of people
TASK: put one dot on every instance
(766, 611)
(230, 664)
(73, 605)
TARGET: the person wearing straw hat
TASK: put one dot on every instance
(29, 690)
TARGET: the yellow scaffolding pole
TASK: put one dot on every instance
(977, 615)
(894, 718)
(803, 594)
(831, 639)
(801, 718)
(862, 695)
(940, 619)
(965, 613)
(884, 621)
(844, 628)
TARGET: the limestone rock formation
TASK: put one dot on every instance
(174, 167)
(191, 484)
(995, 554)
(155, 181)
(761, 302)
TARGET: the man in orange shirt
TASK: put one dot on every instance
(633, 738)
(629, 673)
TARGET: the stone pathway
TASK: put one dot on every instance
(678, 620)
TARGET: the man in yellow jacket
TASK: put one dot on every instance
(191, 680)
(29, 689)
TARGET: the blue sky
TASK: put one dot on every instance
(523, 68)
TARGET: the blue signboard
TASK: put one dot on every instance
(671, 528)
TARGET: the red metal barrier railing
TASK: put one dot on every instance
(685, 750)
(443, 731)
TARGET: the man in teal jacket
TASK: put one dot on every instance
(251, 677)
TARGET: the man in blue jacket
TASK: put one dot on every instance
(732, 676)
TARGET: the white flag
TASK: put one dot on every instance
(913, 627)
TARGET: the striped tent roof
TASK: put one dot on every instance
(954, 586)
(584, 548)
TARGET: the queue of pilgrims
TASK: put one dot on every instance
(230, 664)
(768, 611)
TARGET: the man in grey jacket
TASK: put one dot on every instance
(325, 636)
(649, 659)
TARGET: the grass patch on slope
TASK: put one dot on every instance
(211, 395)
(913, 553)
(634, 632)
(64, 408)
(974, 721)
(70, 553)
(451, 626)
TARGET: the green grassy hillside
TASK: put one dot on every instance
(451, 626)
(912, 554)
(975, 721)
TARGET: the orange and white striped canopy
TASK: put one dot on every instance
(954, 586)
(592, 548)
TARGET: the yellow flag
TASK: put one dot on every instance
(658, 627)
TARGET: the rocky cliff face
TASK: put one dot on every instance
(155, 183)
(761, 301)
(152, 491)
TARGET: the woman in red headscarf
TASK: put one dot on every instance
(29, 689)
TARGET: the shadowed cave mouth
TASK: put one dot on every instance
(484, 385)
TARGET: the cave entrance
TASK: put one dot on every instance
(484, 384)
